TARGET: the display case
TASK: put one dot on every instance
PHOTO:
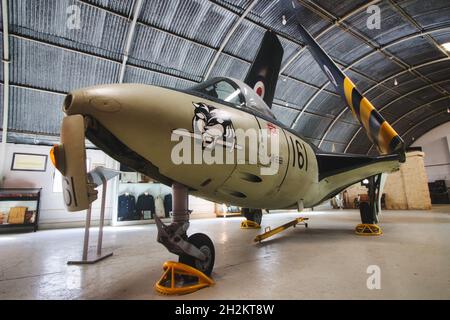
(19, 209)
(140, 198)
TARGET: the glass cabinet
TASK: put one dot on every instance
(19, 209)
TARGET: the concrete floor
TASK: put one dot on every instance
(326, 261)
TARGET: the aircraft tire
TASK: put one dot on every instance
(366, 214)
(204, 244)
(254, 215)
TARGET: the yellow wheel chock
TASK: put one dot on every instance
(179, 278)
(268, 232)
(368, 230)
(248, 224)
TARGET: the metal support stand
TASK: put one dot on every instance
(98, 257)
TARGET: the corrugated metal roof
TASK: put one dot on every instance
(306, 69)
(284, 115)
(342, 132)
(312, 126)
(431, 13)
(343, 46)
(326, 104)
(35, 111)
(416, 51)
(200, 20)
(120, 6)
(100, 32)
(378, 66)
(139, 75)
(244, 41)
(47, 67)
(168, 53)
(392, 25)
(230, 67)
(294, 92)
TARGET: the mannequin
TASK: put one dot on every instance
(126, 207)
(145, 206)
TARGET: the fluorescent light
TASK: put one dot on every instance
(446, 46)
(233, 95)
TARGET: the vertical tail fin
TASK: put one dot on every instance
(263, 74)
(377, 128)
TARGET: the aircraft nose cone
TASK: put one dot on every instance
(94, 99)
(67, 102)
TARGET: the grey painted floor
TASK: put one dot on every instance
(326, 261)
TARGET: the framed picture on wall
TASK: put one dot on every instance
(29, 162)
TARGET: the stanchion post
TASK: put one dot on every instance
(86, 233)
(102, 217)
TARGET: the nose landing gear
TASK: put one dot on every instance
(196, 251)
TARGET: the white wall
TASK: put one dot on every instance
(52, 210)
(52, 213)
(436, 145)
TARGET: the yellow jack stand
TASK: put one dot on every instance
(174, 277)
(268, 232)
(248, 224)
(368, 230)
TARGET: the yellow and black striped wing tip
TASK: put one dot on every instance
(378, 129)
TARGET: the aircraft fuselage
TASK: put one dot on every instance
(147, 121)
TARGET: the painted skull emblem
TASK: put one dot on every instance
(214, 126)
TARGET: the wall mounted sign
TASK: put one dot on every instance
(29, 162)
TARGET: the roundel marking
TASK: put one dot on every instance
(260, 89)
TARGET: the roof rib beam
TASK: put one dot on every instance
(130, 36)
(6, 62)
(228, 37)
(423, 121)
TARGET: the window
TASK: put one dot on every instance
(222, 90)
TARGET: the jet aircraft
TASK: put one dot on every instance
(140, 125)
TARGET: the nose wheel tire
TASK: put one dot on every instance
(205, 245)
(254, 215)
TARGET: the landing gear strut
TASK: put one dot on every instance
(369, 210)
(197, 250)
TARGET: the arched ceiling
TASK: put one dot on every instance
(402, 67)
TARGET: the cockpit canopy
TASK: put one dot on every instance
(234, 92)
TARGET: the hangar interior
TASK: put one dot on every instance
(51, 47)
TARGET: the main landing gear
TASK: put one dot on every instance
(196, 253)
(253, 218)
(369, 210)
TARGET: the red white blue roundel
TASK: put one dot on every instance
(260, 89)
